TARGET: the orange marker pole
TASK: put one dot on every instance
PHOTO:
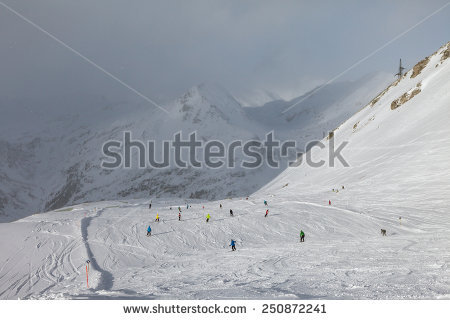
(87, 276)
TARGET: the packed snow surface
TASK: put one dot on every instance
(343, 256)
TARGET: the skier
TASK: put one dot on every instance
(267, 212)
(179, 209)
(208, 217)
(302, 236)
(157, 217)
(329, 202)
(231, 212)
(343, 188)
(179, 216)
(203, 207)
(149, 231)
(187, 206)
(233, 245)
(220, 206)
(265, 202)
(150, 205)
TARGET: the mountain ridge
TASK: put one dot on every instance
(68, 156)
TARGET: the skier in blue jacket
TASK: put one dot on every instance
(149, 231)
(233, 245)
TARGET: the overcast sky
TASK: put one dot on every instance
(162, 48)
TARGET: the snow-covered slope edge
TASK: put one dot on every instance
(397, 142)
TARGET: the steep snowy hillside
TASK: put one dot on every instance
(397, 143)
(397, 179)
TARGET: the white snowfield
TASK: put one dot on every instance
(398, 180)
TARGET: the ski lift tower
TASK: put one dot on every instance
(400, 70)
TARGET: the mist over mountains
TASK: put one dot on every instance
(53, 147)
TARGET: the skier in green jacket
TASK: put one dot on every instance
(208, 217)
(302, 236)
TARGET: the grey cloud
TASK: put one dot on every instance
(164, 47)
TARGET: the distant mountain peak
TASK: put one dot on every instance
(208, 102)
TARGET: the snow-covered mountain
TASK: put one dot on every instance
(311, 115)
(206, 103)
(397, 180)
(396, 144)
(56, 154)
(61, 164)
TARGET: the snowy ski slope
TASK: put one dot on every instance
(399, 167)
(343, 256)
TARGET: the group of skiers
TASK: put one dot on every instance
(208, 217)
(335, 190)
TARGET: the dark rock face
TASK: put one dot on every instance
(67, 191)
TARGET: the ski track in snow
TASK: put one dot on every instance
(191, 258)
(106, 280)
